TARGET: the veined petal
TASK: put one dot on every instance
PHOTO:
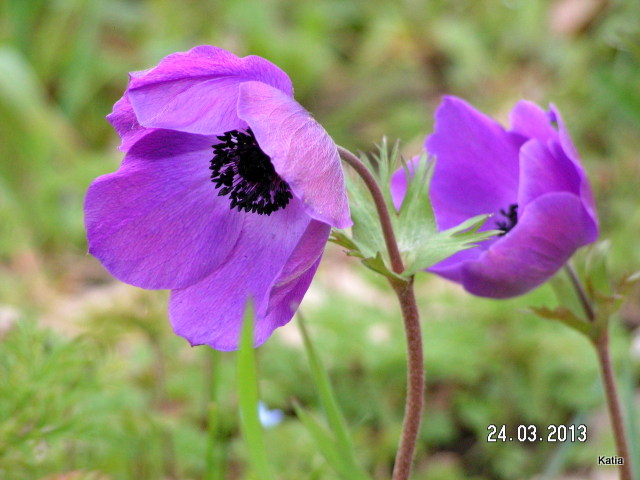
(287, 244)
(157, 222)
(302, 152)
(549, 231)
(197, 91)
(476, 168)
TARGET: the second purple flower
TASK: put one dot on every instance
(529, 177)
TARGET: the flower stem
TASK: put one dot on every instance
(406, 297)
(613, 403)
(581, 292)
(415, 381)
(378, 199)
(601, 343)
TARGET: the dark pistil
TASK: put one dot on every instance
(241, 170)
(511, 219)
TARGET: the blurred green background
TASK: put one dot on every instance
(93, 384)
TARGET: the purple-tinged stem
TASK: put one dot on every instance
(613, 403)
(378, 199)
(601, 344)
(581, 292)
(415, 382)
(406, 297)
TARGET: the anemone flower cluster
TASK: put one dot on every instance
(529, 177)
(227, 193)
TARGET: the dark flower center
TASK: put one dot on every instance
(511, 219)
(241, 170)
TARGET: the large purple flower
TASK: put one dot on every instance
(227, 192)
(531, 180)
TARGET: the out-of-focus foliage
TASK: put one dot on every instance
(93, 385)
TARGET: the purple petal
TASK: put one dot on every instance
(565, 139)
(542, 172)
(531, 121)
(157, 222)
(272, 263)
(285, 299)
(197, 91)
(399, 182)
(476, 169)
(301, 151)
(570, 151)
(549, 231)
(294, 279)
(124, 121)
(453, 267)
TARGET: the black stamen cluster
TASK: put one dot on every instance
(241, 170)
(511, 221)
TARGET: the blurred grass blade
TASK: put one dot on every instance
(338, 459)
(627, 391)
(247, 384)
(334, 415)
(560, 456)
(216, 448)
(78, 83)
(325, 392)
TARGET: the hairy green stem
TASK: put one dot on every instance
(601, 344)
(406, 297)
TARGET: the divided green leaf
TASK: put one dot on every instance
(420, 243)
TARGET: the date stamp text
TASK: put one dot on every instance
(534, 433)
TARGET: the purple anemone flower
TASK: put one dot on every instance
(529, 177)
(227, 192)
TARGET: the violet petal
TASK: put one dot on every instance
(549, 231)
(211, 311)
(542, 172)
(197, 91)
(302, 152)
(531, 121)
(463, 143)
(124, 121)
(399, 183)
(571, 152)
(157, 221)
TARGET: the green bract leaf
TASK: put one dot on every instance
(379, 265)
(366, 231)
(596, 268)
(564, 315)
(606, 305)
(435, 246)
(420, 243)
(367, 242)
